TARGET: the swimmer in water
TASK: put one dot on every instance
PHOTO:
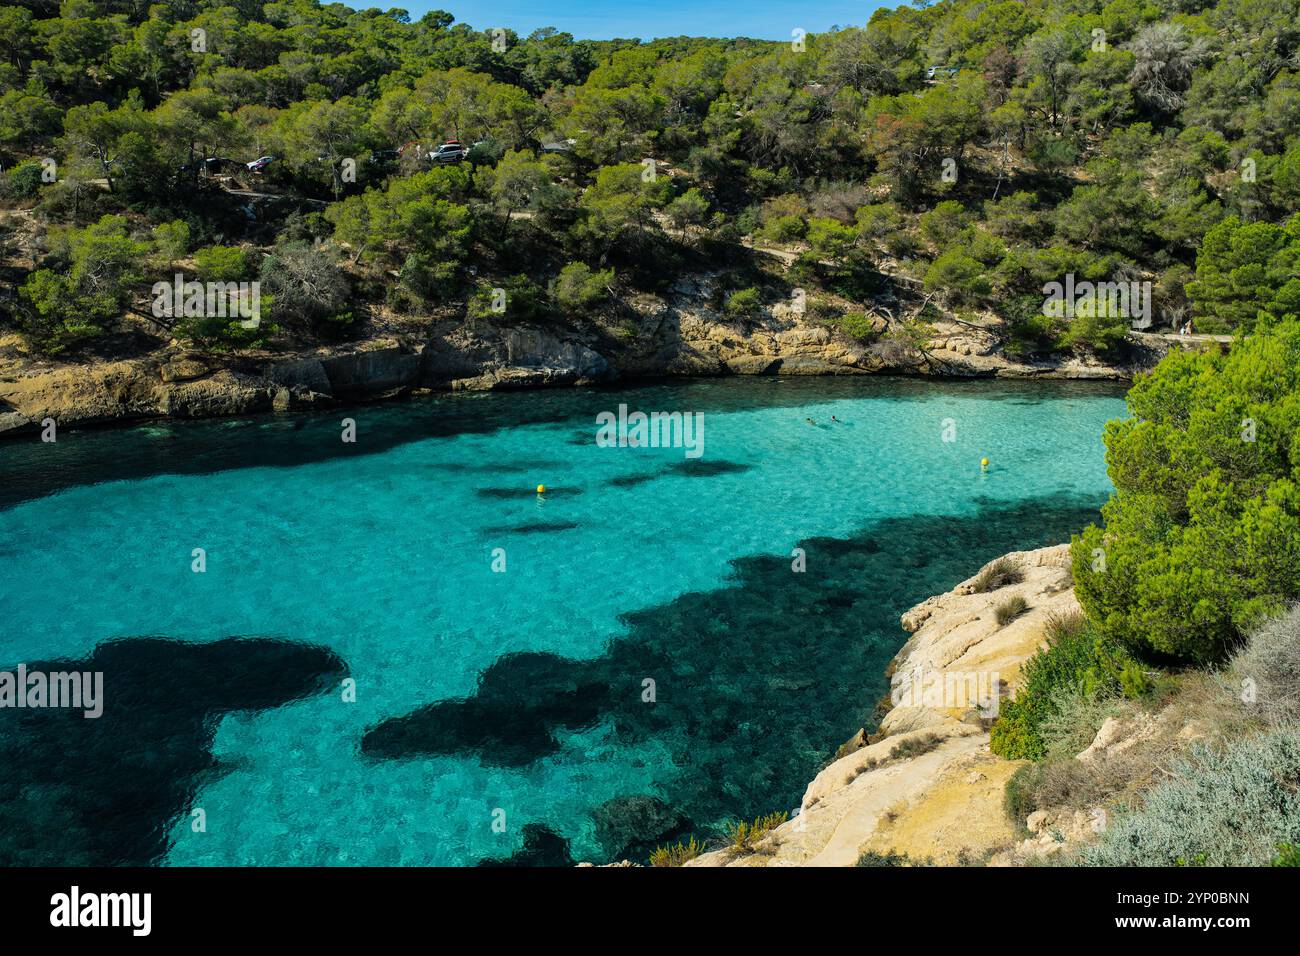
(810, 421)
(836, 420)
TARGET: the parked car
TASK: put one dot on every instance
(212, 165)
(449, 152)
(259, 164)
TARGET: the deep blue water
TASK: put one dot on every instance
(514, 697)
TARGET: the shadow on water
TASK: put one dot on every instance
(542, 847)
(686, 468)
(534, 527)
(78, 791)
(32, 469)
(756, 683)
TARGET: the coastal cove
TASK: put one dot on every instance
(352, 679)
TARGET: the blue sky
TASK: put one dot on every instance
(647, 19)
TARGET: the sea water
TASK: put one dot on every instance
(656, 645)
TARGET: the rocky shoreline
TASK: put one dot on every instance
(675, 336)
(925, 788)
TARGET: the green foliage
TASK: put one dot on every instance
(831, 240)
(578, 288)
(519, 299)
(22, 182)
(743, 303)
(617, 206)
(1077, 660)
(857, 324)
(964, 278)
(1019, 796)
(1288, 854)
(1107, 162)
(222, 263)
(1243, 269)
(944, 223)
(1201, 538)
(94, 273)
(691, 208)
(171, 240)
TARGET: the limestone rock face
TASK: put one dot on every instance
(678, 332)
(958, 634)
(479, 357)
(81, 395)
(926, 784)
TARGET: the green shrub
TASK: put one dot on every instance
(519, 299)
(677, 854)
(94, 272)
(743, 303)
(1073, 719)
(578, 287)
(1201, 538)
(857, 324)
(1076, 660)
(222, 264)
(22, 182)
(1288, 854)
(963, 279)
(1019, 798)
(1010, 609)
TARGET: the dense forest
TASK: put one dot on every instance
(976, 150)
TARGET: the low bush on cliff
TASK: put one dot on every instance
(915, 746)
(1227, 806)
(1077, 661)
(1258, 692)
(1010, 609)
(1267, 669)
(678, 854)
(889, 858)
(1201, 538)
(744, 836)
(997, 574)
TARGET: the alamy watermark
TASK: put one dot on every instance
(207, 300)
(938, 689)
(651, 430)
(74, 690)
(1115, 300)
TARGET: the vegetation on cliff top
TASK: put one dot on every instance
(1125, 140)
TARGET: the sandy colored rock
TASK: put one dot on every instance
(939, 797)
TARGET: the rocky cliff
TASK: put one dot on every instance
(925, 784)
(676, 333)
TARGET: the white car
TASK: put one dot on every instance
(449, 152)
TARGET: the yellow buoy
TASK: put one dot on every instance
(984, 462)
(541, 489)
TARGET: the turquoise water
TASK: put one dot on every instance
(638, 563)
